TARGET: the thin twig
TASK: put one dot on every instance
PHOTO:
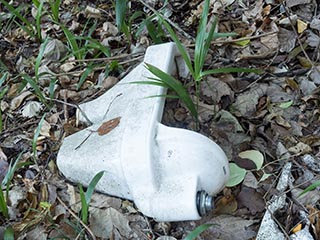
(83, 141)
(65, 108)
(168, 20)
(96, 68)
(279, 224)
(238, 39)
(262, 76)
(76, 217)
(105, 115)
(297, 36)
(72, 105)
(107, 59)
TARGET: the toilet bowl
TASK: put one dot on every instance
(171, 174)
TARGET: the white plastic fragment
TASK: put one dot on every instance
(161, 169)
(268, 228)
(303, 234)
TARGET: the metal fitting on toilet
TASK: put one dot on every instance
(205, 203)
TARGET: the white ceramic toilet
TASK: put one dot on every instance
(169, 173)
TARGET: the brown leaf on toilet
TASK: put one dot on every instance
(108, 126)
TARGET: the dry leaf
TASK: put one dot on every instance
(31, 109)
(45, 129)
(245, 104)
(301, 26)
(297, 228)
(292, 3)
(251, 199)
(315, 74)
(314, 217)
(307, 87)
(17, 101)
(250, 181)
(110, 29)
(229, 227)
(107, 82)
(216, 89)
(91, 12)
(107, 127)
(287, 40)
(227, 204)
(54, 50)
(104, 221)
(313, 40)
(3, 165)
(315, 24)
(68, 66)
(300, 148)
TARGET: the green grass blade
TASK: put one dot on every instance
(39, 58)
(84, 76)
(38, 19)
(3, 92)
(92, 185)
(11, 170)
(86, 196)
(72, 42)
(199, 53)
(94, 44)
(3, 205)
(152, 31)
(181, 48)
(52, 88)
(3, 78)
(197, 231)
(155, 83)
(36, 3)
(54, 5)
(230, 70)
(35, 87)
(209, 38)
(121, 8)
(26, 29)
(310, 188)
(176, 86)
(84, 206)
(35, 137)
(9, 233)
(15, 12)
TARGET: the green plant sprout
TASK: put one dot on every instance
(54, 5)
(33, 29)
(167, 81)
(15, 12)
(155, 31)
(197, 231)
(35, 138)
(4, 194)
(202, 46)
(310, 188)
(39, 6)
(86, 196)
